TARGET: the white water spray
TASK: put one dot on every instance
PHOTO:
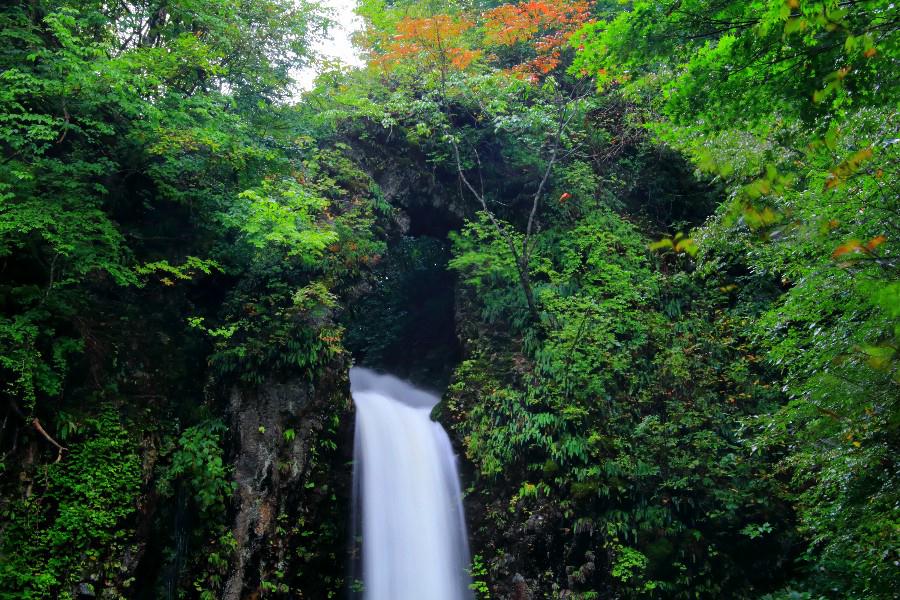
(414, 544)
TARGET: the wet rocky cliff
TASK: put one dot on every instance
(290, 443)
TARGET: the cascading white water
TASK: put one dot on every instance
(414, 544)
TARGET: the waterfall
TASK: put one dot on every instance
(414, 544)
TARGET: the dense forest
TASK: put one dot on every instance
(647, 251)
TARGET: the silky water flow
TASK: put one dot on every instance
(409, 509)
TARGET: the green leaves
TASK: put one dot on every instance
(198, 461)
(784, 104)
(283, 214)
(755, 530)
(81, 520)
(833, 82)
(186, 271)
(150, 169)
(623, 412)
(628, 563)
(678, 244)
(668, 430)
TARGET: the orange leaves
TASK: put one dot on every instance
(855, 247)
(829, 225)
(432, 30)
(515, 23)
(546, 25)
(434, 40)
(847, 169)
(847, 248)
(446, 41)
(510, 24)
(461, 58)
(875, 242)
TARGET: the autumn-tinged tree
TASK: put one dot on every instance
(432, 43)
(538, 30)
(531, 36)
(710, 415)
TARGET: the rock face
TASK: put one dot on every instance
(427, 195)
(293, 479)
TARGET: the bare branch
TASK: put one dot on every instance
(481, 199)
(36, 423)
(522, 257)
(562, 124)
(520, 261)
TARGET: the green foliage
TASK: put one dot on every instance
(166, 228)
(186, 271)
(483, 259)
(785, 103)
(218, 561)
(299, 238)
(623, 412)
(477, 571)
(112, 113)
(77, 514)
(197, 461)
(628, 564)
(282, 216)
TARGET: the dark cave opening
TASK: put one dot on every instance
(405, 325)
